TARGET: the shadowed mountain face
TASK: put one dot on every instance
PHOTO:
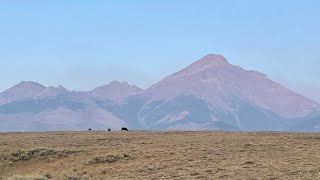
(210, 94)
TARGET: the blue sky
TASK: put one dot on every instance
(85, 44)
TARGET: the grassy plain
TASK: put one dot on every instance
(159, 155)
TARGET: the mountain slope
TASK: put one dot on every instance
(213, 78)
(243, 99)
(21, 91)
(115, 91)
(72, 111)
(52, 91)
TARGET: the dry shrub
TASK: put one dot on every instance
(111, 158)
(76, 178)
(40, 153)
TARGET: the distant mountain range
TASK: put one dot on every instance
(210, 94)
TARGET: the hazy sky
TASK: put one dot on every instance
(84, 44)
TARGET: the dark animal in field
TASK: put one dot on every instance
(109, 130)
(124, 129)
(89, 129)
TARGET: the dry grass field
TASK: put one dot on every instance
(159, 155)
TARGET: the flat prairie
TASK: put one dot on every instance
(159, 155)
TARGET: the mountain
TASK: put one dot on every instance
(27, 90)
(33, 107)
(21, 91)
(115, 91)
(51, 92)
(213, 94)
(213, 78)
(210, 94)
(309, 123)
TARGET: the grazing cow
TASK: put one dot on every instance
(124, 129)
(109, 130)
(89, 129)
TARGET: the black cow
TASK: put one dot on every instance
(124, 129)
(109, 130)
(89, 129)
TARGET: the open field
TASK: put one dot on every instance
(159, 155)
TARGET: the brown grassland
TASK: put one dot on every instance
(159, 155)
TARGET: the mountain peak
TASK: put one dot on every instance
(215, 57)
(61, 87)
(52, 91)
(115, 90)
(118, 83)
(212, 60)
(21, 91)
(114, 83)
(26, 86)
(29, 84)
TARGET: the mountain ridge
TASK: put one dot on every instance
(115, 90)
(209, 94)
